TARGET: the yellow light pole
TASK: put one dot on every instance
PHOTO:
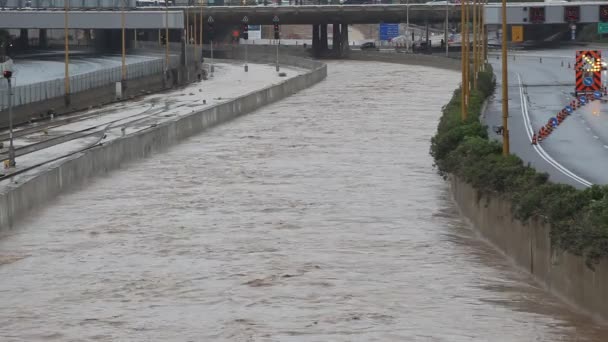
(67, 55)
(475, 32)
(484, 45)
(505, 88)
(201, 31)
(166, 35)
(124, 45)
(467, 57)
(195, 36)
(463, 95)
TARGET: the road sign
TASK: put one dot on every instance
(517, 34)
(602, 28)
(275, 19)
(583, 99)
(588, 81)
(597, 94)
(569, 109)
(255, 31)
(245, 19)
(388, 31)
(553, 122)
(210, 20)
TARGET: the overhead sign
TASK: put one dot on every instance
(517, 34)
(602, 28)
(388, 31)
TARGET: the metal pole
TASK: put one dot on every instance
(124, 45)
(246, 66)
(278, 43)
(211, 67)
(195, 37)
(485, 39)
(407, 27)
(463, 107)
(505, 89)
(445, 39)
(167, 35)
(11, 148)
(475, 44)
(67, 55)
(467, 49)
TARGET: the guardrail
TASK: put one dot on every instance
(35, 92)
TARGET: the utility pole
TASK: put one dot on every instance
(167, 35)
(277, 37)
(445, 39)
(475, 31)
(124, 47)
(245, 38)
(67, 55)
(463, 94)
(407, 27)
(505, 84)
(11, 150)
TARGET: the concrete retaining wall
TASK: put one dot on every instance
(18, 200)
(529, 246)
(436, 61)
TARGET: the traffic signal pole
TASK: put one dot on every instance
(11, 148)
(505, 84)
(277, 37)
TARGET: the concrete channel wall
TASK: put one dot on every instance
(19, 199)
(529, 246)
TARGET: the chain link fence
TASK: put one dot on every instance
(30, 93)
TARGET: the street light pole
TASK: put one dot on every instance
(446, 28)
(124, 45)
(11, 148)
(463, 95)
(166, 35)
(67, 55)
(505, 89)
(277, 37)
(475, 31)
(407, 27)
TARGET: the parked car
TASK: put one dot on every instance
(369, 46)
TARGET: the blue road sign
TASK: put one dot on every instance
(569, 109)
(597, 94)
(588, 81)
(388, 31)
(554, 122)
(583, 99)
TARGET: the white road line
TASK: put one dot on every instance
(541, 152)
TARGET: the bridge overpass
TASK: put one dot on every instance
(539, 13)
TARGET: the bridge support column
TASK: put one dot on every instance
(345, 46)
(336, 40)
(324, 45)
(43, 41)
(316, 41)
(24, 39)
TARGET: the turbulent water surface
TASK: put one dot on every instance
(319, 218)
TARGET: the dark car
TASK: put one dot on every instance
(369, 46)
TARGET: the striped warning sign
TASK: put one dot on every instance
(588, 70)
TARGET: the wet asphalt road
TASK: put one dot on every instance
(539, 86)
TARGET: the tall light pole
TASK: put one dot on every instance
(67, 55)
(277, 37)
(407, 26)
(11, 150)
(463, 93)
(505, 89)
(475, 2)
(124, 46)
(211, 38)
(246, 37)
(445, 39)
(167, 35)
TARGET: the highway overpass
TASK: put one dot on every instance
(538, 13)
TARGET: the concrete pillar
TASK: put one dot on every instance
(43, 41)
(337, 39)
(344, 35)
(315, 40)
(24, 39)
(324, 44)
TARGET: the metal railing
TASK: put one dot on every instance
(35, 92)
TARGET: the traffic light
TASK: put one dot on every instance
(7, 74)
(277, 34)
(163, 39)
(245, 32)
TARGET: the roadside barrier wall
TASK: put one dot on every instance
(20, 198)
(529, 245)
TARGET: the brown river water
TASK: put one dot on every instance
(319, 218)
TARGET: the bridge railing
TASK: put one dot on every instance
(35, 92)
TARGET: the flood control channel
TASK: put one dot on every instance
(319, 218)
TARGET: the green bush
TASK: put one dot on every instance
(578, 218)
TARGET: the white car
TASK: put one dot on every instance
(439, 2)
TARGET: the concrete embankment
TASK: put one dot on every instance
(435, 61)
(529, 246)
(18, 199)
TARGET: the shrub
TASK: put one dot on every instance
(578, 218)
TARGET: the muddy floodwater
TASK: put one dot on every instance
(319, 218)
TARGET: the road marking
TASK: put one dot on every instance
(541, 152)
